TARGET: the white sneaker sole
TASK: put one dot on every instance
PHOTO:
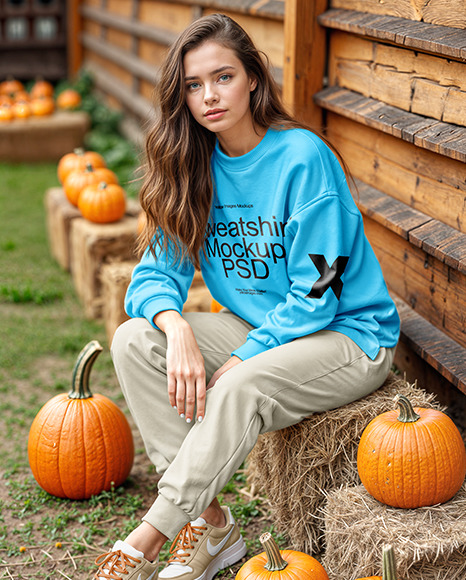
(226, 558)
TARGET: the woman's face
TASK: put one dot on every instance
(218, 92)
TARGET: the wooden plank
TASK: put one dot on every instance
(432, 288)
(450, 13)
(108, 83)
(136, 28)
(74, 25)
(425, 181)
(442, 353)
(305, 55)
(431, 38)
(443, 138)
(120, 57)
(271, 9)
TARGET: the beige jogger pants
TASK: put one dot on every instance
(270, 391)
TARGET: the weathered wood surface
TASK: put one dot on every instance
(425, 181)
(304, 59)
(430, 134)
(416, 82)
(442, 353)
(441, 12)
(115, 278)
(434, 237)
(433, 289)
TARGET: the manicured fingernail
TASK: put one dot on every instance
(182, 415)
(188, 420)
(199, 419)
(174, 406)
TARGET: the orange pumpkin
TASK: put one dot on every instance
(102, 203)
(78, 180)
(77, 161)
(80, 444)
(275, 564)
(412, 459)
(215, 306)
(42, 106)
(6, 113)
(41, 88)
(22, 96)
(69, 99)
(21, 110)
(11, 86)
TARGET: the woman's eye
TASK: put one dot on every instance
(193, 86)
(225, 78)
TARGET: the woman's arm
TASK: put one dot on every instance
(185, 365)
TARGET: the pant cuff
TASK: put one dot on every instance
(166, 517)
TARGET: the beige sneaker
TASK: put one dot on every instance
(126, 562)
(201, 550)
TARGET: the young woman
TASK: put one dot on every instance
(238, 189)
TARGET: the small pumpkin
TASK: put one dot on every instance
(11, 86)
(215, 306)
(141, 224)
(41, 88)
(102, 202)
(77, 161)
(275, 564)
(80, 444)
(69, 99)
(6, 113)
(78, 180)
(413, 458)
(22, 96)
(21, 110)
(388, 566)
(42, 106)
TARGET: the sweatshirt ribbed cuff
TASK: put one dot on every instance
(250, 348)
(159, 305)
(166, 517)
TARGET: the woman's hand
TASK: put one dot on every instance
(185, 365)
(233, 361)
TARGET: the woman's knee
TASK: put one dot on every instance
(134, 335)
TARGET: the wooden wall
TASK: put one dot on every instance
(123, 42)
(395, 107)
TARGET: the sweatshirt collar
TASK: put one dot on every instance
(244, 161)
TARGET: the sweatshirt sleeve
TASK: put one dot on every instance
(319, 241)
(158, 285)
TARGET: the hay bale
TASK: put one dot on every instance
(115, 279)
(296, 467)
(429, 542)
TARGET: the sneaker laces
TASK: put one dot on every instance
(113, 563)
(184, 542)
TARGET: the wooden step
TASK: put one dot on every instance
(443, 138)
(443, 243)
(432, 38)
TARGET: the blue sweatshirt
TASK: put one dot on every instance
(285, 250)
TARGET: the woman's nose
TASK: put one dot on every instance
(210, 94)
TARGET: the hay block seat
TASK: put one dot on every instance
(297, 467)
(429, 542)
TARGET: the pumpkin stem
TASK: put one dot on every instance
(407, 413)
(275, 562)
(82, 368)
(103, 185)
(78, 151)
(388, 563)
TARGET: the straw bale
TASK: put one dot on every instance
(295, 467)
(429, 542)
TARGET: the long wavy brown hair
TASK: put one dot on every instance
(177, 191)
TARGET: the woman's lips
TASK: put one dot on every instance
(215, 114)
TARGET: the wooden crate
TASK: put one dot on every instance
(92, 246)
(43, 138)
(59, 213)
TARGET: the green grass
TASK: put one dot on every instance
(42, 331)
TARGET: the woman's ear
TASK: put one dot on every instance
(252, 84)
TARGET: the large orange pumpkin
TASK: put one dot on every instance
(413, 458)
(42, 106)
(11, 86)
(102, 203)
(275, 564)
(41, 88)
(77, 161)
(6, 112)
(80, 444)
(78, 180)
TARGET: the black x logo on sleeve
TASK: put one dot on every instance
(330, 277)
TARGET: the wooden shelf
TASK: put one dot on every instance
(443, 138)
(432, 38)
